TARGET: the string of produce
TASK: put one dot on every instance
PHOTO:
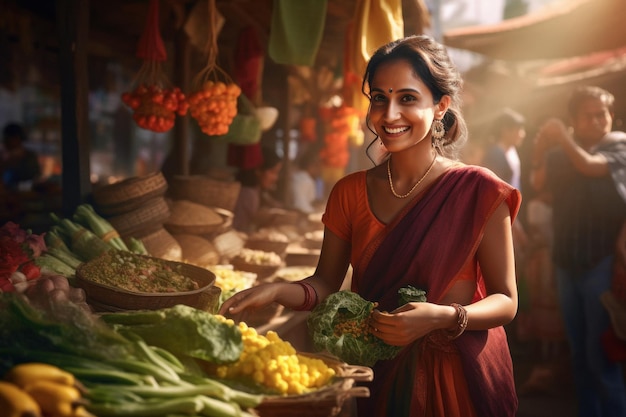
(213, 102)
(155, 103)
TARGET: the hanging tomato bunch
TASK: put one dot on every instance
(154, 103)
(340, 127)
(214, 106)
(155, 108)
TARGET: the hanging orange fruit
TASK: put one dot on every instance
(214, 106)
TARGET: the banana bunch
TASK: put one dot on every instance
(41, 390)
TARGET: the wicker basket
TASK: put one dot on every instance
(128, 300)
(205, 190)
(325, 402)
(187, 217)
(262, 272)
(197, 250)
(267, 245)
(228, 244)
(161, 244)
(301, 257)
(143, 220)
(126, 195)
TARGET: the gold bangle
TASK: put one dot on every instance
(461, 322)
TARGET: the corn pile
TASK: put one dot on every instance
(274, 363)
(231, 280)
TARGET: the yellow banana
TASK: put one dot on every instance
(27, 373)
(55, 400)
(17, 403)
(81, 411)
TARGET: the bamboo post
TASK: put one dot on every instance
(73, 33)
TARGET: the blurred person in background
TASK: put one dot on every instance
(508, 131)
(502, 157)
(18, 165)
(255, 186)
(304, 182)
(585, 175)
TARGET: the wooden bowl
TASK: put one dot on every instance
(112, 298)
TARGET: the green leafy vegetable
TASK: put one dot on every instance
(410, 294)
(182, 330)
(340, 325)
(64, 328)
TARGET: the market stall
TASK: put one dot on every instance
(113, 330)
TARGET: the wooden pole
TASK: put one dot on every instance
(182, 56)
(73, 31)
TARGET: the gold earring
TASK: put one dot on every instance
(438, 130)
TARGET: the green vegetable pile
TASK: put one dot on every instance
(340, 325)
(132, 364)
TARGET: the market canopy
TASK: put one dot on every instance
(563, 30)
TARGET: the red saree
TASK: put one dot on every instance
(428, 244)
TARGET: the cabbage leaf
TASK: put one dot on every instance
(340, 325)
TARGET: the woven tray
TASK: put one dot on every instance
(262, 271)
(126, 195)
(129, 300)
(205, 190)
(267, 245)
(326, 402)
(142, 220)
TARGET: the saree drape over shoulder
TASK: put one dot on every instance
(428, 245)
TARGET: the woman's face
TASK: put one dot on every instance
(402, 107)
(269, 177)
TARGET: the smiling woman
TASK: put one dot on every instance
(419, 218)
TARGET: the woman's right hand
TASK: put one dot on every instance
(253, 298)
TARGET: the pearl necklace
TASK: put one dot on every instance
(393, 191)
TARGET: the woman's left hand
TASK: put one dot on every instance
(410, 322)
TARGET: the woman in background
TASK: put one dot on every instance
(254, 183)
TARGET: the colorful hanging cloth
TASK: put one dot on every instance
(296, 31)
(151, 46)
(248, 62)
(377, 22)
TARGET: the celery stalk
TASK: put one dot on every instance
(86, 216)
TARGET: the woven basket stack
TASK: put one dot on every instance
(193, 225)
(205, 190)
(205, 204)
(136, 207)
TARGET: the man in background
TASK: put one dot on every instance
(584, 171)
(18, 165)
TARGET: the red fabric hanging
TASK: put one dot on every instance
(244, 156)
(151, 46)
(248, 61)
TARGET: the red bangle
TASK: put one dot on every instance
(310, 297)
(461, 322)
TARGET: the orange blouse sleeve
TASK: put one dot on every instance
(348, 214)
